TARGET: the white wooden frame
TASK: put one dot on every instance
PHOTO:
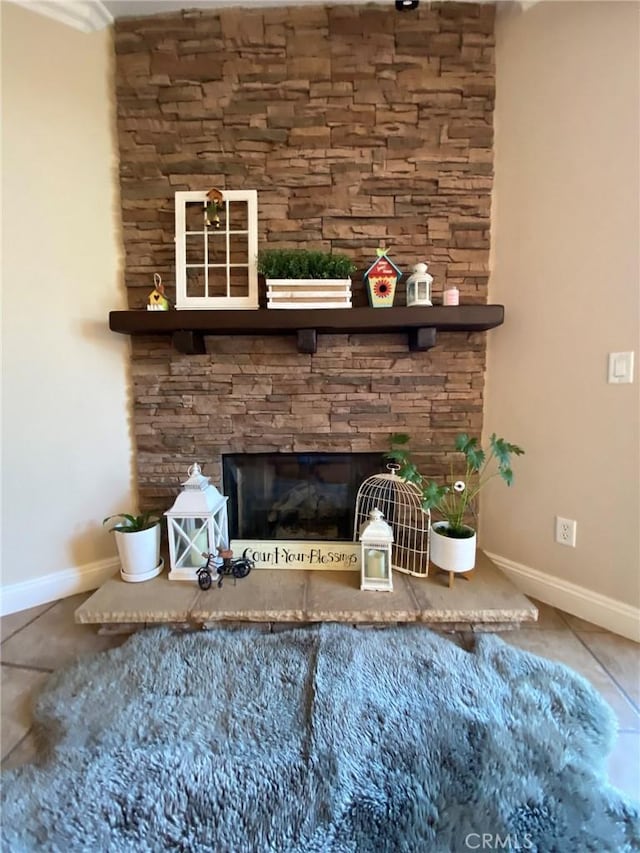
(216, 302)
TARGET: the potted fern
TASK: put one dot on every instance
(453, 539)
(306, 278)
(138, 543)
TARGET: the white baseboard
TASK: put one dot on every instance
(615, 616)
(51, 587)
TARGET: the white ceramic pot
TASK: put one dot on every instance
(139, 553)
(452, 555)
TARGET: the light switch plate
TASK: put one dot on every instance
(620, 367)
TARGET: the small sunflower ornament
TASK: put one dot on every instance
(381, 279)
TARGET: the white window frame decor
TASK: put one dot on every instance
(216, 302)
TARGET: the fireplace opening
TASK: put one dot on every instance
(294, 495)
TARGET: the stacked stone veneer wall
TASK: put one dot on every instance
(359, 126)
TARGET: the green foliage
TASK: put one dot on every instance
(303, 263)
(133, 523)
(456, 498)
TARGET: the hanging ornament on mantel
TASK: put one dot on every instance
(157, 301)
(381, 279)
(215, 202)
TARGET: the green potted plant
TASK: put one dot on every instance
(306, 278)
(138, 543)
(453, 539)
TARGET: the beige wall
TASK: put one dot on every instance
(65, 437)
(566, 265)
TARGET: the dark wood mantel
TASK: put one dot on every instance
(188, 328)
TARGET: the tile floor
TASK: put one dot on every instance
(37, 641)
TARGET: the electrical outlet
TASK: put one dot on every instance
(566, 531)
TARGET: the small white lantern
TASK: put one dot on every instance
(197, 526)
(419, 286)
(376, 538)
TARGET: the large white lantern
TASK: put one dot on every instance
(197, 526)
(376, 539)
(419, 286)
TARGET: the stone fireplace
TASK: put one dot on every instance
(358, 127)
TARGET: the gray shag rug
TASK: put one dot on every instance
(322, 739)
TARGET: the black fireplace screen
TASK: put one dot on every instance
(295, 495)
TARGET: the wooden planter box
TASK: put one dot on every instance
(308, 292)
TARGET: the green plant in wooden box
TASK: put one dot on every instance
(306, 278)
(304, 263)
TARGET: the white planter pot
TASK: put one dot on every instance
(452, 555)
(139, 554)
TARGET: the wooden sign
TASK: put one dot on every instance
(284, 554)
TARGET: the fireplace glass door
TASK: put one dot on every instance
(295, 495)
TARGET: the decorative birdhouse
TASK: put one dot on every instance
(157, 301)
(376, 539)
(381, 279)
(419, 286)
(197, 526)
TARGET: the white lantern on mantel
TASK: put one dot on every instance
(197, 526)
(419, 286)
(376, 539)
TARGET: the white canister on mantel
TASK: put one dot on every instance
(451, 296)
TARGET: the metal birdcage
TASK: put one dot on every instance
(400, 504)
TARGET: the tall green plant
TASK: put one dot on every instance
(454, 499)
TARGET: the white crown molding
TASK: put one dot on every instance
(615, 616)
(92, 15)
(85, 15)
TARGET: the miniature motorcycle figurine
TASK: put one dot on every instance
(239, 568)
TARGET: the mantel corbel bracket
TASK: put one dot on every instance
(307, 340)
(188, 342)
(422, 339)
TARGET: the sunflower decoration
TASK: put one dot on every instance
(381, 279)
(382, 288)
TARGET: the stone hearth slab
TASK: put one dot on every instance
(265, 595)
(156, 600)
(337, 597)
(297, 597)
(489, 596)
